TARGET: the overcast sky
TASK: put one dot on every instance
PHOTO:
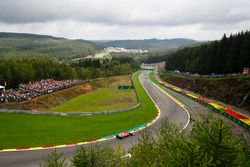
(126, 19)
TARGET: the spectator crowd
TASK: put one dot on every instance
(34, 89)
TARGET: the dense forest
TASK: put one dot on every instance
(14, 72)
(229, 55)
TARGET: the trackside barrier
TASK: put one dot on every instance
(227, 112)
(126, 87)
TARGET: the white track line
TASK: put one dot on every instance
(159, 111)
(177, 102)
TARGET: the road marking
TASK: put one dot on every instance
(176, 101)
(166, 89)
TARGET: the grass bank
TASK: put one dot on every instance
(102, 99)
(49, 100)
(233, 91)
(20, 130)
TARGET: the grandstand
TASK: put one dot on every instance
(34, 89)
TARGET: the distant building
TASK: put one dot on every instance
(120, 50)
(160, 65)
(146, 67)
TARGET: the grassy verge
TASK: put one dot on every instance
(19, 130)
(233, 91)
(102, 99)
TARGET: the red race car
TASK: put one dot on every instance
(124, 135)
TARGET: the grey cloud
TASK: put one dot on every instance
(127, 12)
(123, 19)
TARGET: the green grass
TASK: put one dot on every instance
(151, 77)
(20, 130)
(102, 99)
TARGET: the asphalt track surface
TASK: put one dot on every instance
(169, 110)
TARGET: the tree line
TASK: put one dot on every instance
(14, 72)
(209, 143)
(229, 55)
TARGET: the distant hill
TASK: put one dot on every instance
(150, 44)
(82, 41)
(21, 45)
(25, 35)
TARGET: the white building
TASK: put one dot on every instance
(120, 50)
(146, 67)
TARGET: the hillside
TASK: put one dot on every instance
(17, 46)
(232, 91)
(229, 55)
(150, 44)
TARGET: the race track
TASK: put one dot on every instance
(169, 110)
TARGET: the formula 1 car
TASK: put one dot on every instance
(124, 135)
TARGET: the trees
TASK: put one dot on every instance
(23, 71)
(97, 157)
(229, 55)
(210, 143)
(217, 143)
(54, 159)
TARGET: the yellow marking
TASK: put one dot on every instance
(170, 96)
(60, 146)
(247, 121)
(216, 106)
(81, 143)
(36, 148)
(177, 89)
(100, 139)
(193, 96)
(9, 150)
